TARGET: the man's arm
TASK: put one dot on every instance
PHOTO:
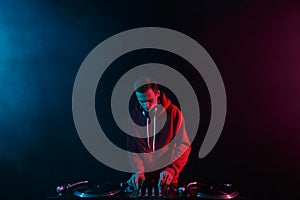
(133, 148)
(182, 146)
(136, 162)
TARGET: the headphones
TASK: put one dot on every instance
(145, 113)
(142, 110)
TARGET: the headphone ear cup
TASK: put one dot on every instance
(142, 110)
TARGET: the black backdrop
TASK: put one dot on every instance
(255, 45)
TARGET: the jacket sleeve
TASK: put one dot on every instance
(182, 145)
(133, 143)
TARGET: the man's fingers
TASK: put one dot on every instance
(162, 178)
(136, 182)
(165, 178)
(136, 179)
(133, 181)
(168, 180)
(129, 181)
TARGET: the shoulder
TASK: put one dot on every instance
(175, 112)
(170, 107)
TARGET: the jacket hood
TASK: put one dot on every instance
(139, 115)
(165, 102)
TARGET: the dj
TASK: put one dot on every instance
(155, 123)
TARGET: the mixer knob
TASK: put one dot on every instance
(146, 192)
(181, 190)
(160, 192)
(153, 191)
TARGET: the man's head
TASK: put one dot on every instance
(147, 93)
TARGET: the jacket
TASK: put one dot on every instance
(151, 149)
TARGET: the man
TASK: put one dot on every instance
(155, 123)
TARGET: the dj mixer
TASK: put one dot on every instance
(193, 190)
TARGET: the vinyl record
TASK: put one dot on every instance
(211, 191)
(97, 191)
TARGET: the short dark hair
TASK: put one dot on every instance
(144, 83)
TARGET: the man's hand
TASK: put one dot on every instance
(136, 179)
(165, 178)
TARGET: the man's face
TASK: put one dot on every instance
(148, 99)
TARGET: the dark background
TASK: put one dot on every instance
(255, 45)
